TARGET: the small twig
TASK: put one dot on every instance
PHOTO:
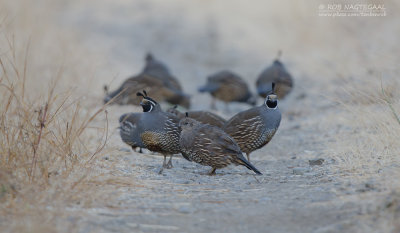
(36, 145)
(25, 67)
(386, 99)
(105, 141)
(256, 179)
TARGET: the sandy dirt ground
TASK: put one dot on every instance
(329, 58)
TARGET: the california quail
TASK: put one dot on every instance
(204, 117)
(228, 87)
(210, 146)
(155, 77)
(254, 128)
(157, 69)
(126, 93)
(278, 74)
(158, 130)
(128, 130)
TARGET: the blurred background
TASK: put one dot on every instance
(198, 38)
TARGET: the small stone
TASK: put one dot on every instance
(314, 162)
(185, 210)
(294, 157)
(300, 170)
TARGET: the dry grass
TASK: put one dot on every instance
(49, 139)
(367, 149)
(369, 140)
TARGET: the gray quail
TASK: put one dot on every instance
(128, 130)
(159, 131)
(204, 117)
(254, 128)
(210, 146)
(277, 74)
(228, 87)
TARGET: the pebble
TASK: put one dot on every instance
(185, 210)
(314, 162)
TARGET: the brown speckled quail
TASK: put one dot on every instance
(158, 130)
(254, 128)
(159, 70)
(126, 93)
(210, 146)
(277, 74)
(228, 87)
(154, 78)
(204, 117)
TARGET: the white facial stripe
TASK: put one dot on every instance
(152, 102)
(151, 108)
(128, 123)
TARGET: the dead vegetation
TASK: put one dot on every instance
(49, 141)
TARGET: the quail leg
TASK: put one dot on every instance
(212, 171)
(135, 149)
(248, 156)
(169, 164)
(164, 165)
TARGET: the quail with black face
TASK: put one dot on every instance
(254, 128)
(155, 130)
(210, 146)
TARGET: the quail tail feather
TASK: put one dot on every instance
(247, 164)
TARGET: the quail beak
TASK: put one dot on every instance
(143, 103)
